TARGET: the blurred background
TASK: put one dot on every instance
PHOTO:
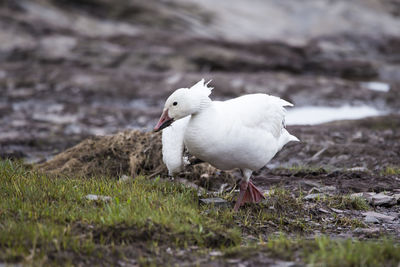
(70, 69)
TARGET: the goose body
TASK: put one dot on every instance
(245, 132)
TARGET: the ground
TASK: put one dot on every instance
(72, 70)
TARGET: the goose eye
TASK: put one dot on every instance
(175, 103)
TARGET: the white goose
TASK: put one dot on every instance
(245, 132)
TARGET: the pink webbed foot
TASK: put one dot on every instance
(249, 193)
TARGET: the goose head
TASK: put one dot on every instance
(182, 103)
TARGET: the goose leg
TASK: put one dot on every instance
(249, 193)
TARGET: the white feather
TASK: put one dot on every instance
(173, 146)
(202, 87)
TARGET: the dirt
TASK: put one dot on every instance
(89, 77)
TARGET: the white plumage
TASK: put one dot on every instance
(173, 145)
(245, 132)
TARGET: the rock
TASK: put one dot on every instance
(98, 198)
(375, 217)
(233, 261)
(280, 263)
(314, 196)
(358, 169)
(371, 219)
(215, 253)
(367, 231)
(365, 195)
(328, 189)
(216, 201)
(323, 210)
(382, 199)
(337, 210)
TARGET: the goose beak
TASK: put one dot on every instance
(164, 121)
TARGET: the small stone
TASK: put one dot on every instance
(365, 195)
(215, 253)
(358, 169)
(337, 210)
(371, 219)
(367, 231)
(279, 263)
(323, 210)
(98, 197)
(314, 196)
(214, 201)
(328, 189)
(382, 199)
(377, 216)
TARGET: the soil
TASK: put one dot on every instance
(101, 69)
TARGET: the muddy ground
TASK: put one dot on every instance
(70, 70)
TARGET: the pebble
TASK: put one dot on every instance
(371, 219)
(323, 210)
(367, 231)
(382, 199)
(215, 201)
(372, 216)
(215, 253)
(337, 210)
(98, 197)
(314, 196)
(358, 169)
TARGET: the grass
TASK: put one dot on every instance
(41, 215)
(48, 220)
(345, 202)
(323, 251)
(391, 170)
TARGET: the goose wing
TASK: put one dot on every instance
(259, 111)
(173, 145)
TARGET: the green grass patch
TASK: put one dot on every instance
(391, 170)
(323, 251)
(41, 215)
(346, 202)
